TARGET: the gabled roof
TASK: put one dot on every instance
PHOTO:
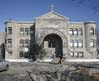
(52, 15)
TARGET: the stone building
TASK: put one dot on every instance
(60, 36)
(2, 44)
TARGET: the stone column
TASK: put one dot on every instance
(45, 44)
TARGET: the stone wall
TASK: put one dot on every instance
(2, 42)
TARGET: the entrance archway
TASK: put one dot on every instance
(53, 43)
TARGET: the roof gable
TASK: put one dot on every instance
(52, 15)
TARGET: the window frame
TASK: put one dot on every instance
(75, 31)
(80, 31)
(92, 32)
(9, 30)
(21, 43)
(80, 41)
(9, 43)
(92, 43)
(27, 31)
(71, 31)
(22, 31)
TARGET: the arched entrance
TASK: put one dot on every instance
(53, 43)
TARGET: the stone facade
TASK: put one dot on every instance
(2, 44)
(60, 37)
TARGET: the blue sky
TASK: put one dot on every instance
(27, 10)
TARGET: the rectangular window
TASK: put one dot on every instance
(75, 43)
(80, 43)
(75, 54)
(27, 43)
(81, 54)
(75, 31)
(27, 31)
(91, 31)
(80, 31)
(71, 31)
(21, 54)
(92, 43)
(9, 30)
(21, 43)
(22, 31)
(9, 43)
(6, 30)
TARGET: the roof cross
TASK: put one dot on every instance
(52, 8)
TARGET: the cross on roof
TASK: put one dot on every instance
(52, 8)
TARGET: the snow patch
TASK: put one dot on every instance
(17, 60)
